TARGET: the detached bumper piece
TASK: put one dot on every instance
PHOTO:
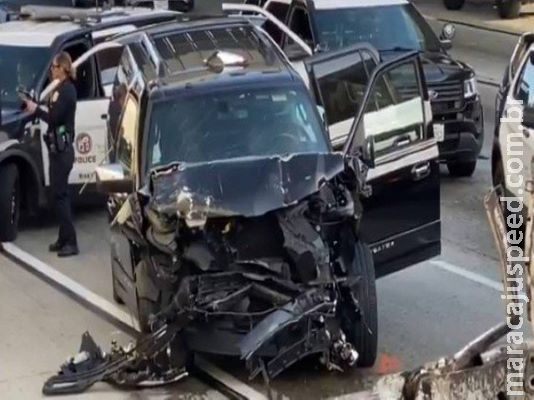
(293, 324)
(152, 362)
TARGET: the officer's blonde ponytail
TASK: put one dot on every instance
(64, 60)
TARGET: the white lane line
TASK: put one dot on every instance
(71, 285)
(474, 277)
(228, 380)
(111, 309)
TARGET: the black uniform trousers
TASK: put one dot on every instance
(60, 167)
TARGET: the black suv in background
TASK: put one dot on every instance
(394, 27)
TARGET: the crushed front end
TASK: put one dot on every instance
(260, 265)
(261, 260)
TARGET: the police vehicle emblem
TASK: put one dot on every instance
(84, 143)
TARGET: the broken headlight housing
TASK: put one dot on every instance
(470, 87)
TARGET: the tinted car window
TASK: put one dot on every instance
(525, 84)
(279, 10)
(123, 77)
(20, 66)
(127, 135)
(394, 114)
(108, 61)
(342, 84)
(300, 24)
(241, 123)
(385, 27)
(185, 51)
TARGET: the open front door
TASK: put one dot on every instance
(382, 112)
(339, 80)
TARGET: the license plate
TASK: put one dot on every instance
(439, 132)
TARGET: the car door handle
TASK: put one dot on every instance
(402, 141)
(420, 171)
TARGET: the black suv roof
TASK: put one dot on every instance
(184, 47)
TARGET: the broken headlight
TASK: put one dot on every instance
(470, 87)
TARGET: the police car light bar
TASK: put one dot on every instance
(196, 7)
(51, 13)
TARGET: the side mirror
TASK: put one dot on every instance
(322, 114)
(447, 34)
(111, 179)
(368, 153)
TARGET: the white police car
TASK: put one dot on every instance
(27, 47)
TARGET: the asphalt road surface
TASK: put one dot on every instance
(482, 13)
(427, 311)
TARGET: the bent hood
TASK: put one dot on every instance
(246, 187)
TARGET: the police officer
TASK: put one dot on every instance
(59, 140)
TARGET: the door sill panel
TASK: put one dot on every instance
(407, 249)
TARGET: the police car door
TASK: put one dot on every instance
(384, 109)
(90, 142)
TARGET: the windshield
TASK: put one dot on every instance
(222, 125)
(390, 27)
(20, 66)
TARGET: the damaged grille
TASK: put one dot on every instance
(449, 97)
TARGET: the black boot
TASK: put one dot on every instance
(55, 247)
(68, 250)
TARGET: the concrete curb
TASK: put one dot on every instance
(488, 82)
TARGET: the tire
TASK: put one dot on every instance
(148, 297)
(361, 327)
(10, 196)
(461, 168)
(509, 9)
(145, 308)
(453, 4)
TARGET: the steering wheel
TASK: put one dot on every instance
(290, 139)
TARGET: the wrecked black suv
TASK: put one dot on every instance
(233, 217)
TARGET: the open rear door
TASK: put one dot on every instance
(382, 112)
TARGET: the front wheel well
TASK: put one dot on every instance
(29, 182)
(495, 157)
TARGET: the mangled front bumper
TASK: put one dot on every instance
(296, 322)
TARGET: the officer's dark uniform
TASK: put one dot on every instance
(59, 140)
